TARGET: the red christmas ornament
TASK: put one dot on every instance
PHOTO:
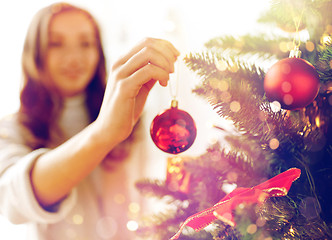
(293, 82)
(174, 130)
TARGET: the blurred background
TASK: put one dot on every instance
(187, 24)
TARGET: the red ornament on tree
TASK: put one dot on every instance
(293, 82)
(174, 130)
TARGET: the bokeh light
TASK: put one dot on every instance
(222, 85)
(132, 225)
(327, 39)
(288, 99)
(221, 65)
(286, 87)
(235, 106)
(275, 106)
(252, 228)
(283, 46)
(78, 219)
(260, 222)
(310, 46)
(228, 188)
(134, 207)
(274, 143)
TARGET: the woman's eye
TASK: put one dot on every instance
(55, 44)
(87, 44)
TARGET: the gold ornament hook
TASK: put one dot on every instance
(295, 53)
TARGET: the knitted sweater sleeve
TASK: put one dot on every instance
(17, 200)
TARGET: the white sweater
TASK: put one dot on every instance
(95, 209)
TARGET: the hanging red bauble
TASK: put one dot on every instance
(174, 130)
(293, 82)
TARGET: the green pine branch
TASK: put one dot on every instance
(159, 189)
(248, 44)
(316, 14)
(215, 166)
(245, 87)
(324, 63)
(206, 65)
(162, 225)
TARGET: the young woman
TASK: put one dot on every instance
(70, 122)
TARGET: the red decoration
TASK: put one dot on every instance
(276, 186)
(293, 82)
(173, 130)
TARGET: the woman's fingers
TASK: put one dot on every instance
(144, 77)
(151, 60)
(143, 57)
(160, 45)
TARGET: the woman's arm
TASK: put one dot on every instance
(56, 172)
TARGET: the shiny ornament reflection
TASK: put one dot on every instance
(173, 131)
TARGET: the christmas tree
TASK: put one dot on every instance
(270, 139)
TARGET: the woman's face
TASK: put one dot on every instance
(72, 54)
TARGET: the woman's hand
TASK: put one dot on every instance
(56, 172)
(130, 82)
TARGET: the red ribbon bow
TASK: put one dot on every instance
(274, 187)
